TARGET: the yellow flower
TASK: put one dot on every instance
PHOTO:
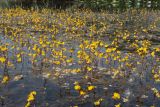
(82, 92)
(77, 87)
(57, 62)
(153, 54)
(3, 48)
(156, 92)
(18, 55)
(91, 87)
(98, 102)
(28, 104)
(118, 105)
(31, 96)
(142, 51)
(144, 30)
(89, 68)
(19, 59)
(73, 106)
(2, 59)
(76, 83)
(69, 60)
(40, 41)
(43, 53)
(78, 70)
(116, 96)
(125, 100)
(5, 79)
(88, 61)
(157, 49)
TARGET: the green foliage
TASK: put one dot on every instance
(96, 4)
(92, 4)
(120, 4)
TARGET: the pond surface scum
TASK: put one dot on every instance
(79, 58)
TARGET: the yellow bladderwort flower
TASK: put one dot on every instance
(71, 50)
(69, 60)
(109, 50)
(116, 96)
(19, 59)
(101, 43)
(3, 48)
(73, 106)
(34, 47)
(44, 45)
(89, 68)
(28, 104)
(98, 102)
(43, 53)
(77, 87)
(156, 92)
(31, 97)
(2, 59)
(81, 46)
(18, 55)
(91, 87)
(156, 75)
(88, 61)
(78, 70)
(81, 92)
(142, 51)
(157, 49)
(5, 79)
(153, 54)
(118, 105)
(57, 62)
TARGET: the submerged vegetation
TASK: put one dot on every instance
(79, 58)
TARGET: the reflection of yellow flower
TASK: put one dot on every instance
(116, 96)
